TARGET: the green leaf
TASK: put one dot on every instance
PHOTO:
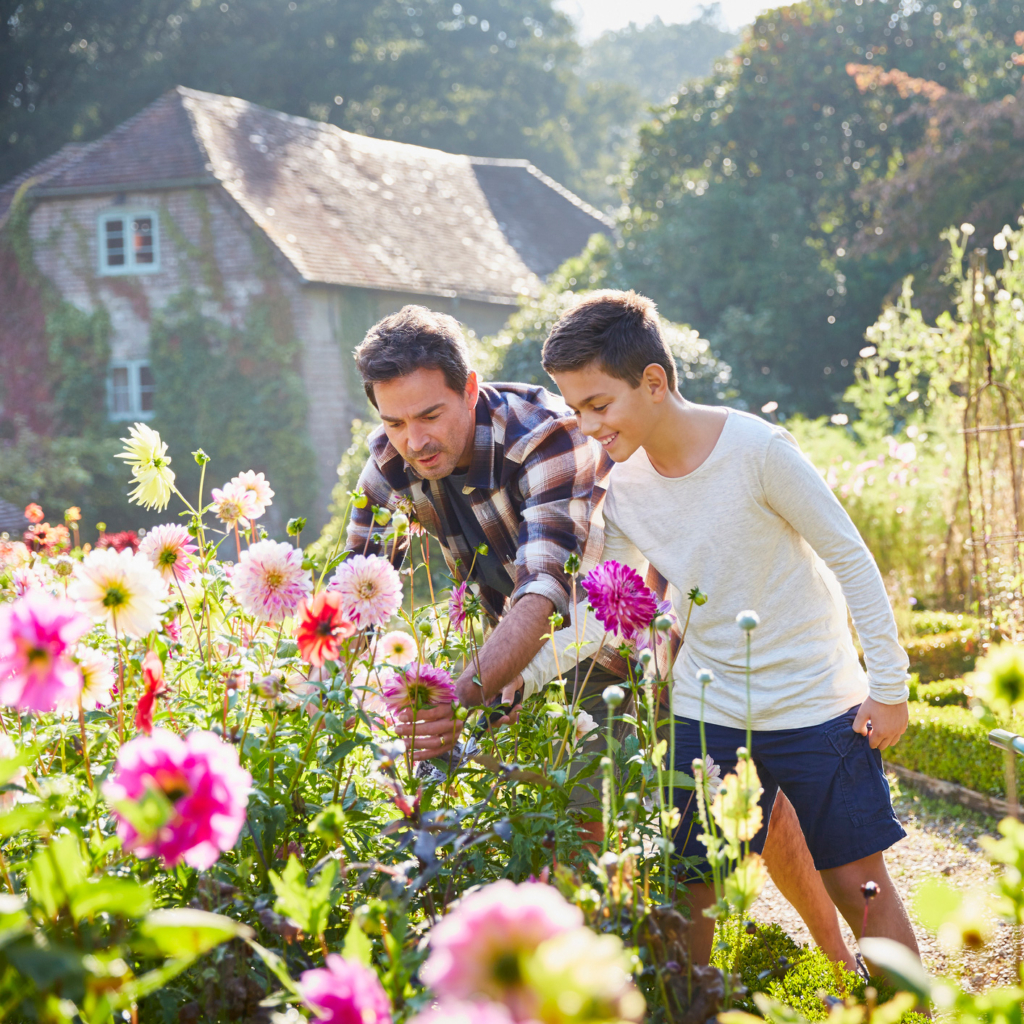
(120, 897)
(307, 906)
(678, 780)
(22, 817)
(9, 765)
(357, 946)
(183, 932)
(899, 965)
(148, 814)
(56, 871)
(935, 902)
(275, 965)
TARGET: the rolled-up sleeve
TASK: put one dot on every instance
(556, 483)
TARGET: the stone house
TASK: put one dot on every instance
(229, 199)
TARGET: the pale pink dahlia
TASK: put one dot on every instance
(204, 791)
(258, 489)
(98, 676)
(620, 599)
(233, 503)
(452, 1012)
(396, 648)
(269, 581)
(477, 950)
(419, 686)
(36, 632)
(170, 549)
(345, 992)
(370, 589)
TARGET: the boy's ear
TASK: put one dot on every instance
(655, 382)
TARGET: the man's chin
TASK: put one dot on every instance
(436, 470)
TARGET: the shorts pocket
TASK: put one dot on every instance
(859, 772)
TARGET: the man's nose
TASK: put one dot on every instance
(418, 438)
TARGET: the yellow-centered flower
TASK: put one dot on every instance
(150, 463)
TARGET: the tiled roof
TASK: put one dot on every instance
(343, 208)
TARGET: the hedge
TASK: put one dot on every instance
(944, 693)
(950, 743)
(943, 655)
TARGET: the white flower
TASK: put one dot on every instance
(98, 677)
(122, 589)
(258, 489)
(147, 455)
(967, 229)
(586, 727)
(999, 242)
(713, 772)
(397, 648)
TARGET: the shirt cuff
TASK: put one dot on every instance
(547, 586)
(888, 693)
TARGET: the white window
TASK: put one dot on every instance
(130, 390)
(128, 242)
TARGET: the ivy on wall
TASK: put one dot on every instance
(235, 393)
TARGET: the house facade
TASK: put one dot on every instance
(321, 232)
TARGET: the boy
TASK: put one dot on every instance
(723, 500)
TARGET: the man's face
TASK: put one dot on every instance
(608, 408)
(430, 425)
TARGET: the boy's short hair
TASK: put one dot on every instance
(619, 330)
(414, 338)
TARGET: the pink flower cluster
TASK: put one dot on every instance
(202, 783)
(345, 992)
(621, 601)
(243, 498)
(36, 636)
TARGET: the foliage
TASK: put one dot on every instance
(742, 206)
(950, 743)
(944, 693)
(943, 655)
(238, 392)
(929, 622)
(517, 348)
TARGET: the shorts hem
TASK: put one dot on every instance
(880, 844)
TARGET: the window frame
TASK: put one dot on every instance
(126, 214)
(135, 410)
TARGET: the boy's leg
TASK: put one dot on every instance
(791, 866)
(887, 916)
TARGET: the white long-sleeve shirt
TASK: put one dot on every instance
(755, 527)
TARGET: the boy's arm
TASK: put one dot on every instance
(796, 491)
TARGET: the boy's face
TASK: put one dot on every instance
(609, 409)
(430, 425)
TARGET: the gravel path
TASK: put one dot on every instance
(941, 840)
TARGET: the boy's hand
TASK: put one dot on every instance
(883, 724)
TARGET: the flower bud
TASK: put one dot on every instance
(705, 677)
(614, 696)
(296, 526)
(381, 516)
(572, 564)
(748, 620)
(482, 550)
(663, 623)
(461, 713)
(400, 523)
(358, 498)
(699, 597)
(201, 457)
(645, 657)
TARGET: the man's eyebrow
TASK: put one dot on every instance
(416, 416)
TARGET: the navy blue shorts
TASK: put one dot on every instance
(832, 777)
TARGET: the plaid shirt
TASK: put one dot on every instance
(535, 483)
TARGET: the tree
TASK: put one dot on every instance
(743, 195)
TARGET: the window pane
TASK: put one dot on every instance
(146, 388)
(120, 391)
(114, 242)
(142, 239)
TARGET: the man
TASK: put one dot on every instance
(500, 473)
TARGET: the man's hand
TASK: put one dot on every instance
(883, 724)
(429, 732)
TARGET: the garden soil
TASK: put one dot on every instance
(942, 840)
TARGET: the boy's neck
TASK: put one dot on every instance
(684, 436)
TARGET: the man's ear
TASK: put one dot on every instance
(655, 382)
(472, 392)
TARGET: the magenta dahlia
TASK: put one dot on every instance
(619, 597)
(345, 992)
(201, 791)
(419, 686)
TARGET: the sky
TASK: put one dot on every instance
(597, 16)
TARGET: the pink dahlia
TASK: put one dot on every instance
(258, 490)
(396, 648)
(620, 599)
(370, 589)
(233, 503)
(451, 1012)
(170, 549)
(345, 992)
(457, 608)
(477, 950)
(419, 686)
(36, 671)
(199, 782)
(269, 581)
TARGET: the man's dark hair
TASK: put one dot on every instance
(617, 330)
(414, 338)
